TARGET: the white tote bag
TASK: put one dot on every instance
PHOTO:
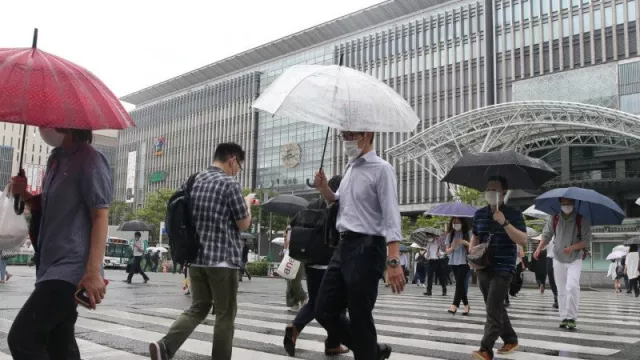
(288, 268)
(14, 230)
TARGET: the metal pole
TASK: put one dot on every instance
(259, 231)
(270, 230)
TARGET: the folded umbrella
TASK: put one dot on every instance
(452, 209)
(521, 171)
(285, 204)
(591, 205)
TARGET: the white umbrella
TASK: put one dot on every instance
(338, 97)
(415, 245)
(156, 248)
(638, 201)
(278, 241)
(621, 248)
(535, 213)
(532, 233)
(616, 255)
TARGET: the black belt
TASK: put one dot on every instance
(354, 235)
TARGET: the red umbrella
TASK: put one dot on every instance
(44, 90)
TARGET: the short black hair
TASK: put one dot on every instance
(334, 182)
(225, 151)
(78, 135)
(137, 233)
(503, 182)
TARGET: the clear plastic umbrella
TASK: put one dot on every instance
(616, 255)
(535, 213)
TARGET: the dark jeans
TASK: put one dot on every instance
(437, 268)
(552, 279)
(495, 288)
(44, 328)
(461, 272)
(136, 266)
(633, 285)
(351, 281)
(307, 312)
(421, 272)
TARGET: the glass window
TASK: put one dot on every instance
(620, 14)
(499, 17)
(631, 11)
(556, 30)
(608, 17)
(576, 24)
(527, 36)
(516, 12)
(536, 8)
(526, 14)
(536, 34)
(517, 40)
(545, 8)
(499, 43)
(565, 26)
(565, 4)
(545, 33)
(597, 22)
(458, 29)
(586, 19)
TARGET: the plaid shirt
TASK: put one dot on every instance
(217, 203)
(504, 251)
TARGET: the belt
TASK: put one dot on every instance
(354, 235)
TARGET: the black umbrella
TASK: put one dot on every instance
(633, 241)
(135, 225)
(520, 171)
(420, 236)
(287, 205)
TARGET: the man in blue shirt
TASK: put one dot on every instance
(505, 228)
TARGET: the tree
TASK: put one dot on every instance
(471, 196)
(409, 225)
(155, 210)
(119, 212)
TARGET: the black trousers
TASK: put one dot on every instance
(136, 267)
(437, 268)
(552, 279)
(634, 284)
(495, 288)
(44, 327)
(351, 282)
(461, 272)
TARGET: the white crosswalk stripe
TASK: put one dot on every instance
(417, 327)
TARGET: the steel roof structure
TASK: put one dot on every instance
(523, 126)
(351, 23)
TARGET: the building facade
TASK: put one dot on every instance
(444, 57)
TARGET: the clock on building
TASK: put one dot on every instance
(291, 154)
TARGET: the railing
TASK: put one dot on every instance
(594, 176)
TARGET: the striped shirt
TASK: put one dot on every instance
(504, 251)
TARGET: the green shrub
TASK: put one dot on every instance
(259, 268)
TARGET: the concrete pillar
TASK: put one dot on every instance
(565, 161)
(621, 169)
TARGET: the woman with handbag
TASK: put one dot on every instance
(457, 247)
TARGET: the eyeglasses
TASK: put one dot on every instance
(239, 165)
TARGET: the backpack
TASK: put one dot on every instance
(585, 251)
(421, 259)
(184, 242)
(619, 268)
(307, 242)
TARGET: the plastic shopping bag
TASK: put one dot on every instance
(14, 229)
(288, 268)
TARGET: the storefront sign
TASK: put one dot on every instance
(157, 176)
(159, 145)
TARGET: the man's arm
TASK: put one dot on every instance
(547, 234)
(388, 198)
(517, 230)
(239, 206)
(586, 236)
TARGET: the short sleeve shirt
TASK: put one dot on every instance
(504, 251)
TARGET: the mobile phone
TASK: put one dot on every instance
(254, 201)
(82, 299)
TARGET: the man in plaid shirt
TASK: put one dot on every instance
(220, 213)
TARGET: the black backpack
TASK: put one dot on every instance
(184, 242)
(307, 241)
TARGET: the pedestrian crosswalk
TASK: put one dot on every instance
(416, 326)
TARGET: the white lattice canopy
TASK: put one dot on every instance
(523, 126)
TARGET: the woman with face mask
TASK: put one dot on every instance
(457, 242)
(74, 212)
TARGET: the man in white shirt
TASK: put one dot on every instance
(138, 251)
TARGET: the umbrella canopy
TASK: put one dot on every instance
(338, 97)
(616, 255)
(531, 232)
(623, 248)
(135, 225)
(415, 246)
(535, 213)
(422, 235)
(278, 241)
(591, 205)
(157, 248)
(633, 241)
(453, 209)
(520, 171)
(287, 205)
(518, 194)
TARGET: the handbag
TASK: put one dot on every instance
(288, 268)
(479, 257)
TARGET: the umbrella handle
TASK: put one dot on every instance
(18, 205)
(310, 184)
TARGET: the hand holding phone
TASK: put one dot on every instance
(83, 299)
(251, 199)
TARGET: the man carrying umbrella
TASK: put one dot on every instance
(368, 221)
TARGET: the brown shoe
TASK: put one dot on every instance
(336, 351)
(508, 349)
(481, 355)
(290, 337)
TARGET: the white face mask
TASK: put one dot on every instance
(457, 227)
(51, 137)
(351, 148)
(567, 209)
(493, 197)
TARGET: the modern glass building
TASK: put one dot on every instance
(445, 57)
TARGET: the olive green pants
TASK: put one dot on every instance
(208, 286)
(295, 294)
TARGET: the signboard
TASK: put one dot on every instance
(157, 176)
(35, 177)
(131, 177)
(159, 144)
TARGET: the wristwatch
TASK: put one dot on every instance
(506, 223)
(393, 262)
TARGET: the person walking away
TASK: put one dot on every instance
(540, 270)
(71, 242)
(551, 273)
(616, 272)
(245, 261)
(314, 274)
(421, 266)
(4, 274)
(403, 263)
(572, 234)
(368, 220)
(156, 260)
(219, 214)
(504, 228)
(457, 245)
(632, 266)
(147, 261)
(435, 265)
(138, 250)
(295, 296)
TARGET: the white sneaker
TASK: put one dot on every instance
(295, 308)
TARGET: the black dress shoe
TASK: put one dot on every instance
(384, 351)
